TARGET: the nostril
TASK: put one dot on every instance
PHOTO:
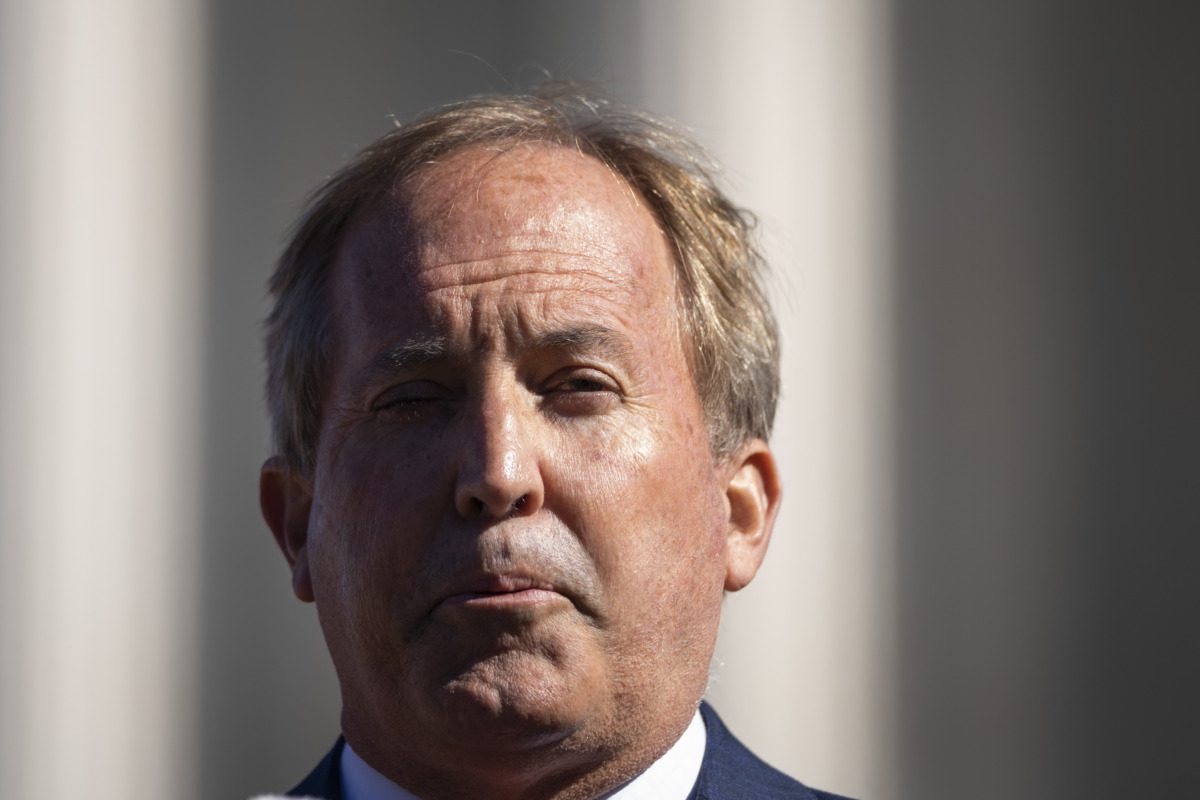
(472, 503)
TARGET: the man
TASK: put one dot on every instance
(522, 375)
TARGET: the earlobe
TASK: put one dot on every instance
(286, 499)
(752, 495)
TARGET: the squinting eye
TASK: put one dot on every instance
(583, 385)
(582, 393)
(410, 396)
(401, 402)
(581, 380)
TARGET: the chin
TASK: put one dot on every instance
(524, 699)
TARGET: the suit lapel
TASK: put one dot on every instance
(325, 781)
(731, 772)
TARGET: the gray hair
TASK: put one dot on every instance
(732, 338)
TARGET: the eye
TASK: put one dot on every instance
(582, 391)
(410, 397)
(583, 385)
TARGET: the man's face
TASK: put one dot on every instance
(518, 539)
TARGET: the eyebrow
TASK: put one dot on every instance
(423, 350)
(412, 352)
(404, 355)
(603, 341)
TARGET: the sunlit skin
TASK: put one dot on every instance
(515, 533)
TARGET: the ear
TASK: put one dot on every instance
(286, 498)
(752, 495)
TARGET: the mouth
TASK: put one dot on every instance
(501, 592)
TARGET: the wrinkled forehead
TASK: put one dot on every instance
(534, 190)
(522, 201)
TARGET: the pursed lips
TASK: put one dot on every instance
(501, 591)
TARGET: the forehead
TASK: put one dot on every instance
(539, 193)
(490, 224)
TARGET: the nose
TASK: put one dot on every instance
(499, 473)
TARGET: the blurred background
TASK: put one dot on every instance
(983, 217)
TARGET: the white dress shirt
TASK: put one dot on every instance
(671, 777)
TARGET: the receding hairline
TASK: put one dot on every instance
(406, 200)
(456, 166)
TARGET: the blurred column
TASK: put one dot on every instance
(1048, 389)
(99, 221)
(791, 97)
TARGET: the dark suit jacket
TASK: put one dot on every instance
(729, 772)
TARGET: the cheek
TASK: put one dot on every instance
(371, 516)
(648, 509)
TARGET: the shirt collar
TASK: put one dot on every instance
(671, 777)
